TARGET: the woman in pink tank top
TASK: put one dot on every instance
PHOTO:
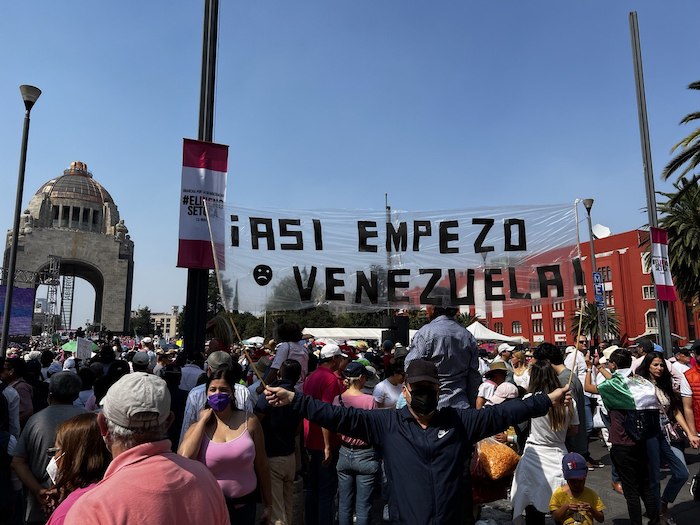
(230, 442)
(358, 463)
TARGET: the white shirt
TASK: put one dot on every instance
(680, 367)
(580, 370)
(680, 383)
(486, 390)
(386, 395)
(522, 380)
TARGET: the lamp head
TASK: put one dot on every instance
(588, 204)
(29, 94)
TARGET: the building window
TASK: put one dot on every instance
(558, 306)
(609, 298)
(559, 325)
(646, 263)
(536, 306)
(498, 327)
(517, 327)
(651, 319)
(537, 326)
(648, 292)
(605, 273)
(580, 303)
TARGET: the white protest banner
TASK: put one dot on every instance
(83, 349)
(204, 167)
(660, 268)
(358, 260)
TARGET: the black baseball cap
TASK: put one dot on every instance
(421, 370)
(696, 347)
(645, 344)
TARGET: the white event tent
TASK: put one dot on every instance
(479, 331)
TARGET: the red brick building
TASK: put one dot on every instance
(629, 290)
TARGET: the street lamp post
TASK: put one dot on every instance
(602, 312)
(30, 94)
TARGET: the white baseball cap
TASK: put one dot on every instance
(331, 350)
(505, 347)
(137, 401)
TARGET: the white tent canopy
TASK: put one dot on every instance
(653, 333)
(375, 334)
(345, 334)
(482, 333)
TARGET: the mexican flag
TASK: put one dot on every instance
(628, 392)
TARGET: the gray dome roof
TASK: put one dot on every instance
(76, 183)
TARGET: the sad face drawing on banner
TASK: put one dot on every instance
(262, 274)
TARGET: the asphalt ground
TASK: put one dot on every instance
(685, 511)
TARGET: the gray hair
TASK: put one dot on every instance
(128, 438)
(64, 387)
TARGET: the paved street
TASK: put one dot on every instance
(684, 510)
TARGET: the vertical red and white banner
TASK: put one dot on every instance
(660, 267)
(204, 168)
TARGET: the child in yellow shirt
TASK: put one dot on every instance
(574, 503)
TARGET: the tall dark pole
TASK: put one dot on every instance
(602, 312)
(198, 280)
(664, 337)
(29, 94)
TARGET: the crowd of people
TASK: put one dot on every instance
(421, 434)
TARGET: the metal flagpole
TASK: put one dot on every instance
(198, 279)
(661, 306)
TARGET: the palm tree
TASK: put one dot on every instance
(466, 319)
(589, 322)
(689, 154)
(680, 216)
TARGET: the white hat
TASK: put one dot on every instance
(331, 350)
(146, 340)
(505, 347)
(607, 353)
(570, 349)
(137, 401)
(69, 364)
(504, 391)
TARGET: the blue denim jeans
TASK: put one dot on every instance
(357, 477)
(320, 487)
(658, 450)
(589, 415)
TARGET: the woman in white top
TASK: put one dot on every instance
(539, 471)
(521, 371)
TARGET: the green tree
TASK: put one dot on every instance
(416, 319)
(214, 302)
(680, 216)
(589, 322)
(141, 323)
(465, 319)
(688, 149)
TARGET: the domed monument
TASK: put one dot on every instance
(73, 217)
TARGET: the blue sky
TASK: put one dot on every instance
(331, 104)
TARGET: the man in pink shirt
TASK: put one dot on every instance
(146, 482)
(322, 444)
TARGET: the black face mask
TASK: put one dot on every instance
(424, 400)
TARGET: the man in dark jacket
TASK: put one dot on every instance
(424, 449)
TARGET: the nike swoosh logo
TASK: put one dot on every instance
(442, 433)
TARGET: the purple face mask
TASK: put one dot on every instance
(219, 401)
